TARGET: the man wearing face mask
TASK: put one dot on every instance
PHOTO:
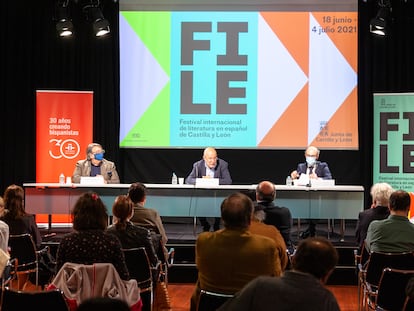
(316, 170)
(96, 165)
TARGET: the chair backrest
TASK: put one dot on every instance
(44, 300)
(391, 289)
(22, 248)
(379, 261)
(210, 301)
(408, 304)
(140, 269)
(139, 266)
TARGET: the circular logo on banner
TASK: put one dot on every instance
(68, 148)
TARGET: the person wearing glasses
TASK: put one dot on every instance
(315, 170)
(95, 165)
(210, 166)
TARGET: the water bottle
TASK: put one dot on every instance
(174, 179)
(289, 181)
(61, 178)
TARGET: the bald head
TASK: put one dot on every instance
(265, 191)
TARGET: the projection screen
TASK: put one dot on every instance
(238, 74)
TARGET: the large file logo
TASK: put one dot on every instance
(239, 79)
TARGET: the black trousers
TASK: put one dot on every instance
(206, 225)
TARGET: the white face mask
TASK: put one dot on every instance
(310, 160)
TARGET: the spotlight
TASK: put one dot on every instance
(99, 23)
(379, 24)
(64, 25)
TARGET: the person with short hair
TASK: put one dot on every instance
(315, 169)
(278, 216)
(210, 166)
(380, 194)
(143, 216)
(396, 233)
(229, 258)
(148, 218)
(89, 243)
(95, 165)
(301, 288)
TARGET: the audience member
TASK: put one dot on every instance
(228, 259)
(103, 304)
(4, 229)
(210, 166)
(277, 216)
(395, 233)
(301, 288)
(130, 235)
(16, 218)
(147, 217)
(314, 169)
(258, 227)
(380, 194)
(89, 243)
(95, 165)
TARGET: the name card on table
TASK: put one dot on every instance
(88, 180)
(207, 182)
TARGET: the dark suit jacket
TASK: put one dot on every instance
(321, 169)
(281, 218)
(221, 172)
(364, 219)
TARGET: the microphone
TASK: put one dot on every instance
(196, 172)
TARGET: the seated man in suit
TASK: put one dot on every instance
(315, 170)
(380, 194)
(95, 165)
(228, 259)
(278, 216)
(210, 166)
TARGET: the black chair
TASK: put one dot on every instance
(391, 289)
(211, 301)
(140, 269)
(361, 258)
(371, 274)
(23, 250)
(52, 300)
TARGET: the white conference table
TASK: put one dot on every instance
(316, 202)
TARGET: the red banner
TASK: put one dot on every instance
(64, 128)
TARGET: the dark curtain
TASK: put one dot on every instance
(33, 57)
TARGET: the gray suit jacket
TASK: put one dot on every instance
(108, 171)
